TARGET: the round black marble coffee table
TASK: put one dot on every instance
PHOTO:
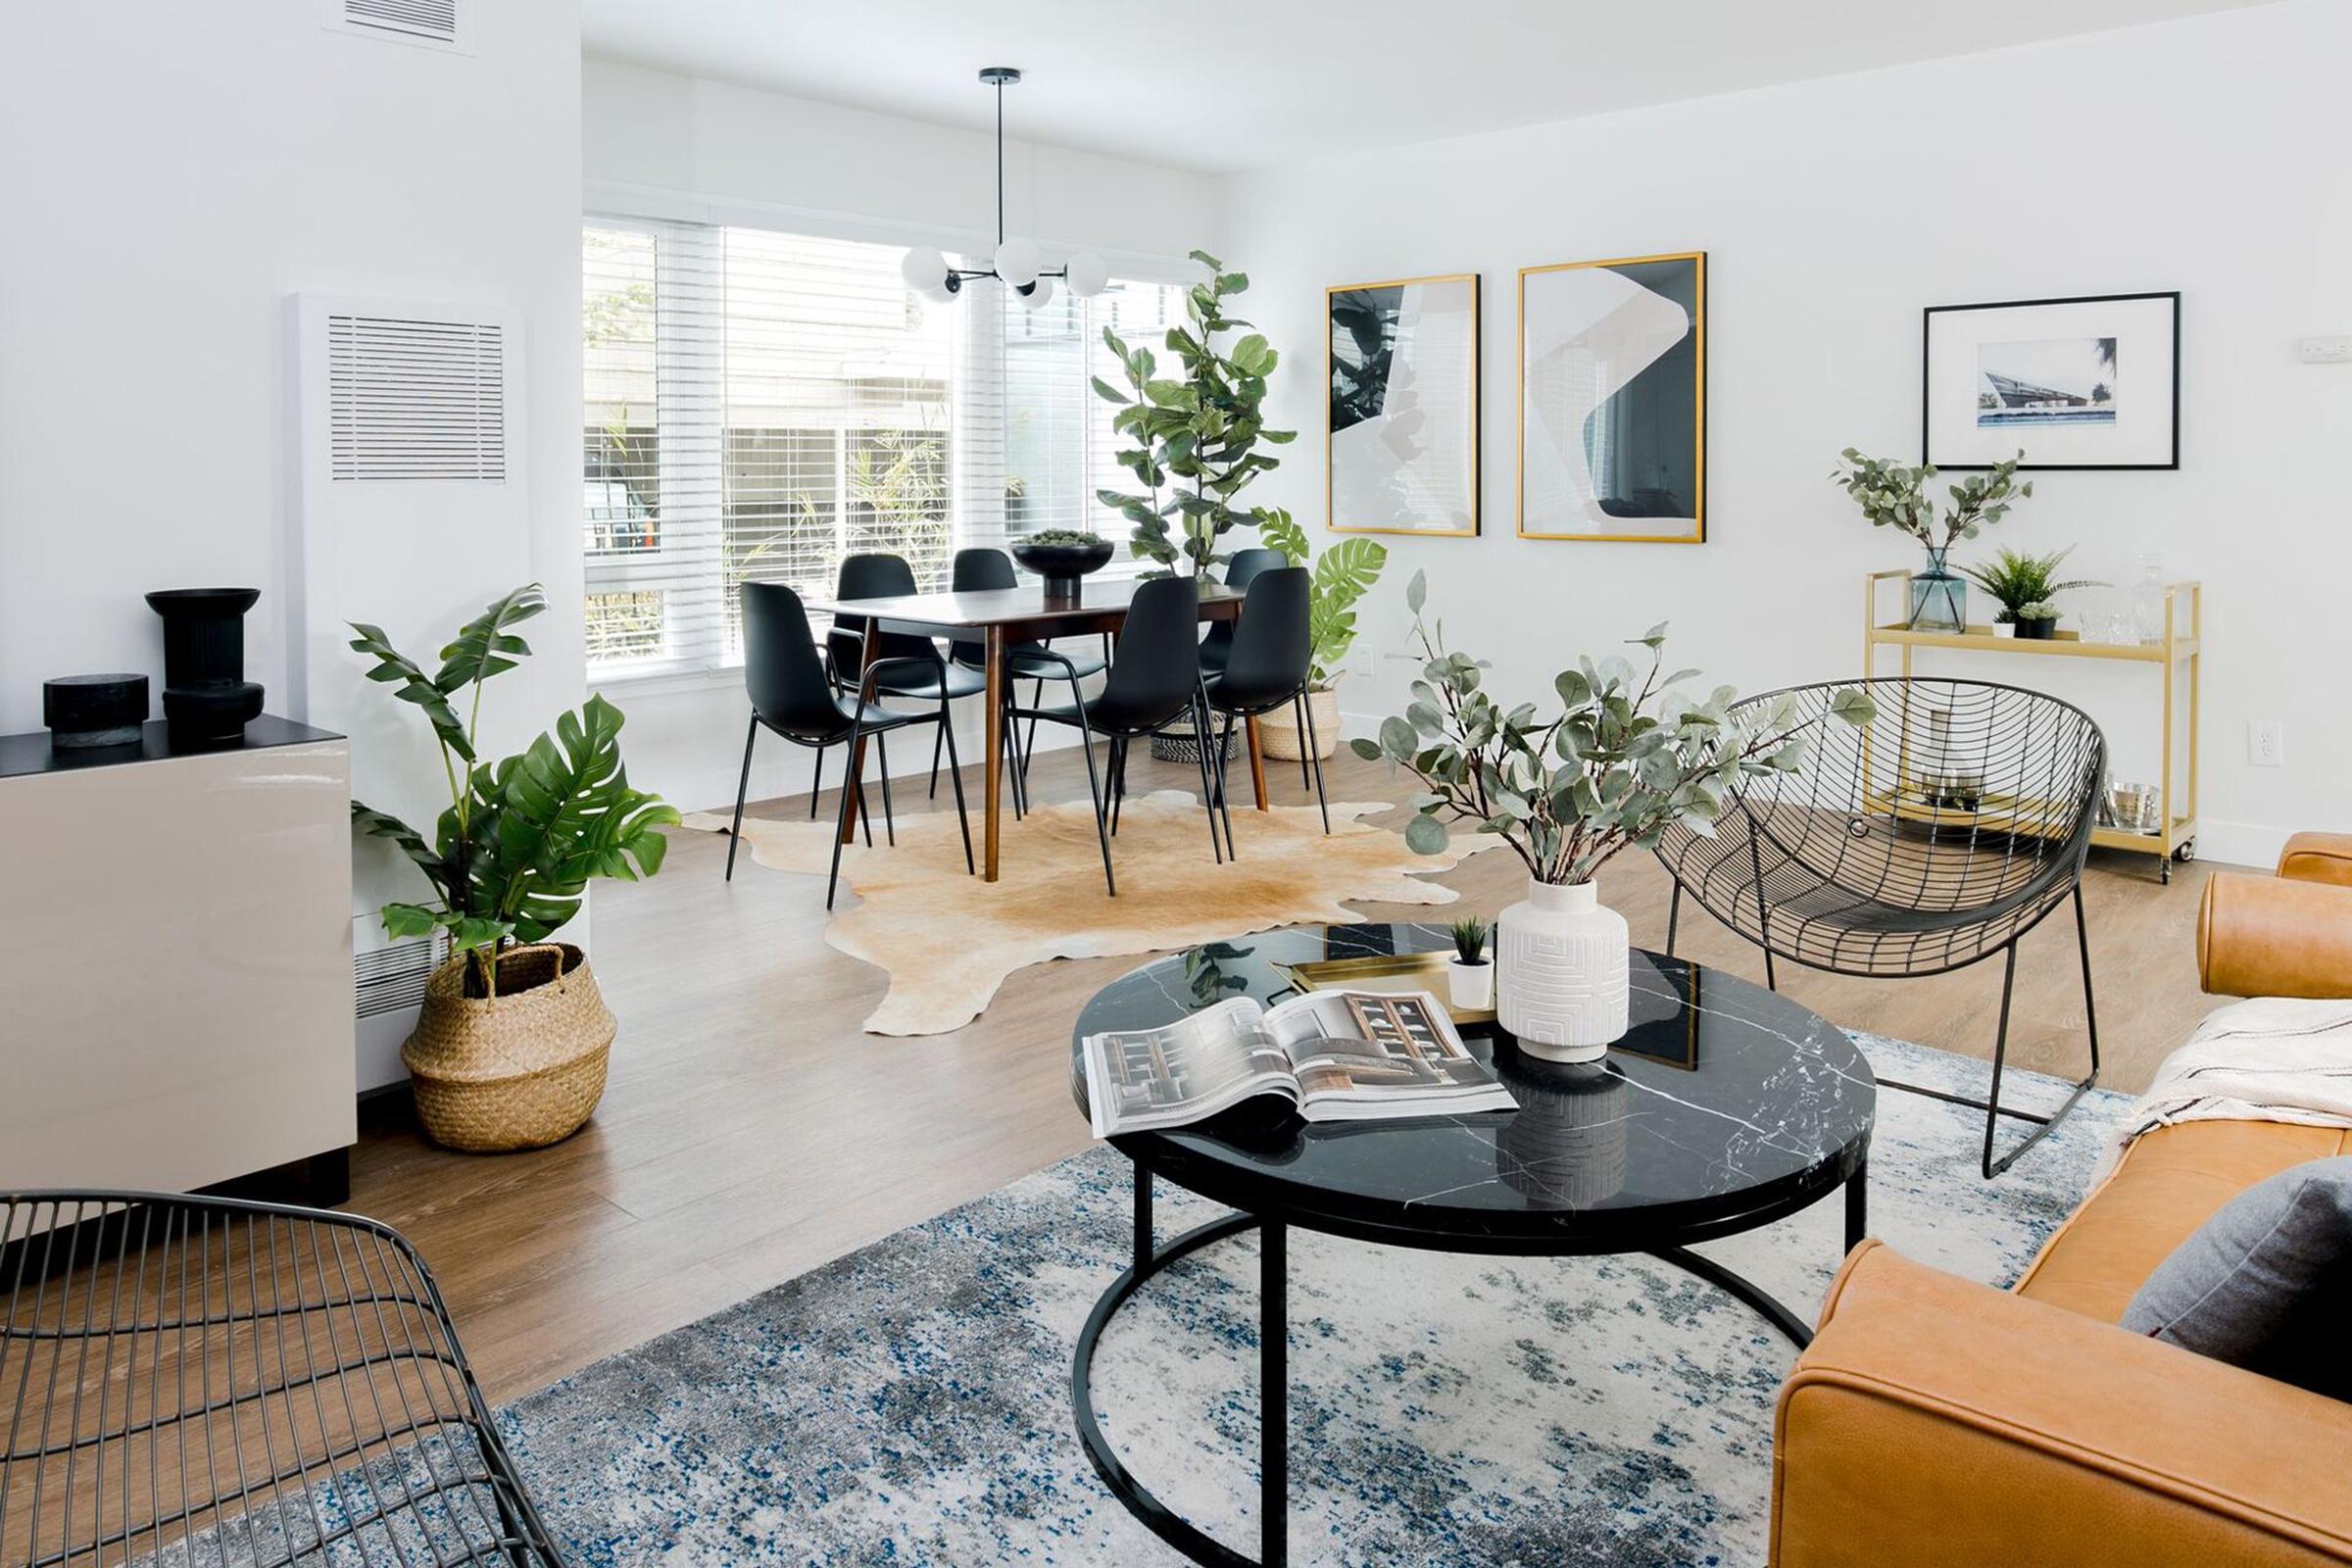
(1724, 1108)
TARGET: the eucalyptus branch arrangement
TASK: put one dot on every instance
(1625, 758)
(514, 852)
(1892, 496)
(1196, 438)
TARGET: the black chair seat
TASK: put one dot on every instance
(916, 684)
(1107, 714)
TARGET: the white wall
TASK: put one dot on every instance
(2207, 156)
(174, 173)
(686, 147)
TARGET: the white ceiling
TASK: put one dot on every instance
(1221, 84)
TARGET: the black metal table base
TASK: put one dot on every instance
(1274, 1364)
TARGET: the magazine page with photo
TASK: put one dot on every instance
(1336, 1055)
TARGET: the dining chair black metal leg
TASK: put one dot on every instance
(743, 785)
(1118, 780)
(1037, 699)
(1208, 788)
(1008, 764)
(1302, 723)
(865, 812)
(935, 744)
(889, 821)
(1093, 793)
(817, 783)
(956, 781)
(1314, 751)
(853, 783)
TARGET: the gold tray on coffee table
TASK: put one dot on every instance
(1386, 972)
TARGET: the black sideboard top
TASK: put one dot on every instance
(22, 754)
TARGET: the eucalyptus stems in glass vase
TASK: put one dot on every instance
(1624, 758)
(1893, 496)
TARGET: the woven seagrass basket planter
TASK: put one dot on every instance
(1278, 731)
(518, 1070)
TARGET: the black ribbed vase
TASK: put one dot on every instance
(207, 699)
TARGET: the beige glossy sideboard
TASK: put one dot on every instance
(175, 974)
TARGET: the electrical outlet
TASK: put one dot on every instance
(2266, 742)
(2325, 350)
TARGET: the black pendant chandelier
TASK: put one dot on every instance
(1017, 263)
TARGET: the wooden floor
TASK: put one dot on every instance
(750, 1132)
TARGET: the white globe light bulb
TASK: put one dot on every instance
(1017, 261)
(1037, 293)
(1088, 275)
(925, 271)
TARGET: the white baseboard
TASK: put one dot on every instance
(2248, 844)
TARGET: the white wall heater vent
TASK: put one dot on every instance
(413, 511)
(391, 978)
(440, 24)
(415, 399)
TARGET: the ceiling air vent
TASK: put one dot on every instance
(424, 21)
(415, 399)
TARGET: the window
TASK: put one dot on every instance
(759, 405)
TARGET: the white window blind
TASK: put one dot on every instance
(760, 403)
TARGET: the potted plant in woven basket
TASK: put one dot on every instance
(511, 1045)
(1343, 575)
(1625, 757)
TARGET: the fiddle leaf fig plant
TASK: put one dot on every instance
(1196, 438)
(513, 853)
(1343, 575)
(1625, 757)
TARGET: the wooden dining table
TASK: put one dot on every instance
(1000, 617)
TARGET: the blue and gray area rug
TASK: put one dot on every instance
(909, 1404)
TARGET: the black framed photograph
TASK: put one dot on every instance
(2093, 382)
(1613, 399)
(1400, 451)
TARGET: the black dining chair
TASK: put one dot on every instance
(984, 568)
(1269, 666)
(1240, 572)
(1153, 680)
(1931, 837)
(792, 696)
(915, 670)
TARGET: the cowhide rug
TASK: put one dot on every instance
(949, 939)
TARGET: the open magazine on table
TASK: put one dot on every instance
(1338, 1056)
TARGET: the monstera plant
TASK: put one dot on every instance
(1343, 574)
(523, 836)
(1195, 437)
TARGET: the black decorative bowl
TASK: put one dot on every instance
(1061, 565)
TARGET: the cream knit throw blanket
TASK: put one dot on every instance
(2270, 1059)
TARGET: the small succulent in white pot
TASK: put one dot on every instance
(1624, 758)
(1469, 973)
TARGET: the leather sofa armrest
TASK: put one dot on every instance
(2261, 935)
(1935, 1422)
(2318, 857)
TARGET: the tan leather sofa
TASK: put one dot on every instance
(1936, 1422)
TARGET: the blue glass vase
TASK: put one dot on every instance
(1938, 596)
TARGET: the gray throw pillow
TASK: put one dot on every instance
(2267, 1283)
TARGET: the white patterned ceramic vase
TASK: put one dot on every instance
(1562, 993)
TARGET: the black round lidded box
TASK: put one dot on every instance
(86, 712)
